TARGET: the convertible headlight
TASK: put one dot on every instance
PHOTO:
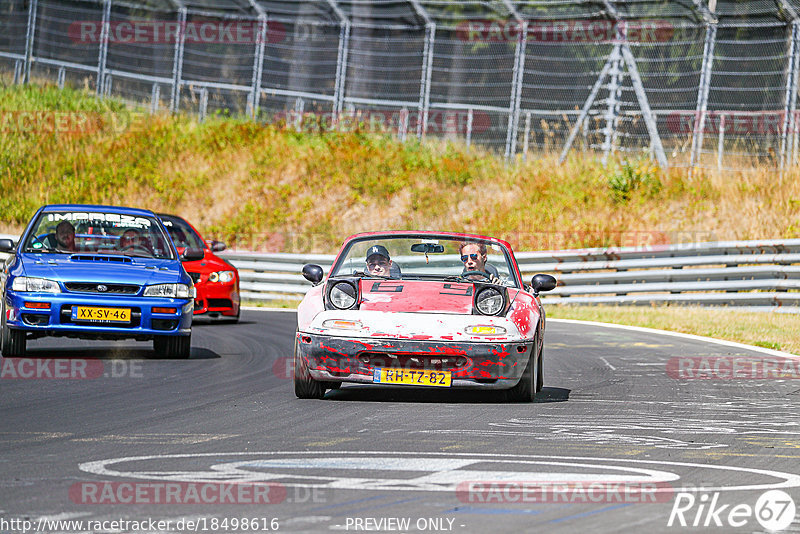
(490, 301)
(178, 291)
(221, 276)
(38, 285)
(343, 295)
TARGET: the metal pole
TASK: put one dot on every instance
(513, 103)
(790, 104)
(422, 107)
(702, 95)
(341, 69)
(469, 127)
(644, 105)
(585, 111)
(103, 52)
(527, 136)
(721, 140)
(428, 73)
(177, 61)
(30, 34)
(258, 65)
(155, 96)
(522, 45)
(612, 110)
(203, 103)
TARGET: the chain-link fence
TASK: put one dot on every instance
(689, 83)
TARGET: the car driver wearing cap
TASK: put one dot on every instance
(378, 262)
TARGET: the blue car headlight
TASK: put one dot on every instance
(177, 291)
(38, 285)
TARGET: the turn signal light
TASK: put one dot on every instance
(38, 305)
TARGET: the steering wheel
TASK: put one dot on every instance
(483, 274)
(136, 248)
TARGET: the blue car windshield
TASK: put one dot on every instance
(69, 232)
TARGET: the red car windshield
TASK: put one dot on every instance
(182, 234)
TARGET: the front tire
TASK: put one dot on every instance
(305, 387)
(525, 390)
(13, 343)
(174, 347)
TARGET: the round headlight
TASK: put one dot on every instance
(343, 295)
(490, 301)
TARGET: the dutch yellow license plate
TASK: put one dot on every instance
(411, 377)
(115, 315)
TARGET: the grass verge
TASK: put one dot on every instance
(778, 331)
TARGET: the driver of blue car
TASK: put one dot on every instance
(474, 256)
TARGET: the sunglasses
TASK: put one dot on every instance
(465, 257)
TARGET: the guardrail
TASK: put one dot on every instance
(754, 274)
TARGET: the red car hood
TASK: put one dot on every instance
(416, 296)
(208, 264)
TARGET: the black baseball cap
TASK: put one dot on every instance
(378, 249)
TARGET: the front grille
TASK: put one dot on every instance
(404, 361)
(220, 303)
(195, 277)
(136, 319)
(111, 289)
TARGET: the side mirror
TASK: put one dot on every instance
(6, 245)
(543, 282)
(217, 246)
(312, 273)
(192, 254)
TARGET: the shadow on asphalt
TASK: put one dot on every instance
(112, 353)
(424, 395)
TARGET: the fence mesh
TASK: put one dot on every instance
(668, 80)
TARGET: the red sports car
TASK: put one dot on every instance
(216, 280)
(428, 309)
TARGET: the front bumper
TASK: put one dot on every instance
(217, 298)
(473, 365)
(57, 321)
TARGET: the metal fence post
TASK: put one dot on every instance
(522, 44)
(790, 99)
(612, 110)
(177, 61)
(258, 65)
(425, 79)
(702, 95)
(30, 34)
(721, 141)
(103, 51)
(513, 104)
(341, 69)
(155, 96)
(527, 136)
(469, 127)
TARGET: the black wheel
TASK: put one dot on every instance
(177, 347)
(305, 387)
(332, 385)
(540, 371)
(12, 342)
(526, 388)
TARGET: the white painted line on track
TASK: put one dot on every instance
(643, 329)
(216, 473)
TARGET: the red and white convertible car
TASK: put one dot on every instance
(426, 309)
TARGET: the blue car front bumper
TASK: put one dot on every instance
(24, 311)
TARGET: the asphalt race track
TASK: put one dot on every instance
(616, 442)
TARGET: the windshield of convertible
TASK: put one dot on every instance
(69, 232)
(427, 258)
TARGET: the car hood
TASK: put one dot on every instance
(416, 296)
(102, 268)
(208, 264)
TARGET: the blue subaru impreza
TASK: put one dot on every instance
(96, 272)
